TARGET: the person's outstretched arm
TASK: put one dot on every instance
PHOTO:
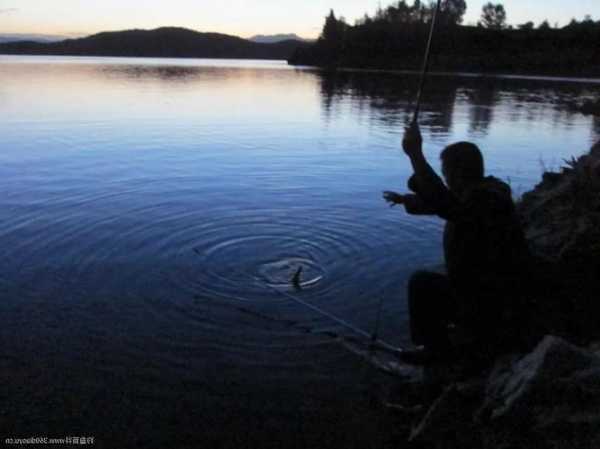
(412, 203)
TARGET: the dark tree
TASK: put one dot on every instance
(401, 13)
(452, 12)
(333, 37)
(364, 20)
(394, 37)
(588, 19)
(545, 25)
(493, 16)
(527, 26)
(331, 30)
(420, 12)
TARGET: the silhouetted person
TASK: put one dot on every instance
(482, 294)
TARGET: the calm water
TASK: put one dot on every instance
(146, 204)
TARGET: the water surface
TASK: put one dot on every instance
(152, 209)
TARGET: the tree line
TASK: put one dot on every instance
(394, 38)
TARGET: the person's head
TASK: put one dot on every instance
(462, 165)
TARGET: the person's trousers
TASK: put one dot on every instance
(432, 308)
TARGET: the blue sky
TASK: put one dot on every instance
(239, 17)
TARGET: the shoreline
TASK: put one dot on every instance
(564, 78)
(552, 78)
(183, 58)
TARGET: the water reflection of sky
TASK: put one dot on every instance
(241, 140)
(520, 124)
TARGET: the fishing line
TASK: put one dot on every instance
(373, 338)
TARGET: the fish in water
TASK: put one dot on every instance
(296, 280)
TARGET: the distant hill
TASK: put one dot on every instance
(272, 38)
(16, 37)
(161, 42)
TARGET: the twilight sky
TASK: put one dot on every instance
(238, 17)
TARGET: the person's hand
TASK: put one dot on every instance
(393, 198)
(412, 142)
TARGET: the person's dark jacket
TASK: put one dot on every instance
(484, 245)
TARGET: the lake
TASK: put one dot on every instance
(153, 212)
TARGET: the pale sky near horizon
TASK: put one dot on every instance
(239, 17)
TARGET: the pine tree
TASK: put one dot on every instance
(493, 16)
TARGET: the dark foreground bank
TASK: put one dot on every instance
(48, 393)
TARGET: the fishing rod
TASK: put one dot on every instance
(425, 68)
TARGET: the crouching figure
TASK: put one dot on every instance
(483, 294)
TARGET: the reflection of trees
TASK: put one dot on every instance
(596, 128)
(483, 99)
(439, 101)
(530, 100)
(168, 73)
(376, 95)
(388, 98)
(172, 74)
(329, 89)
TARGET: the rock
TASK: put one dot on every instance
(516, 388)
(547, 399)
(561, 215)
(449, 422)
(561, 219)
(551, 396)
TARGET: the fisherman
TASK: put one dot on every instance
(482, 293)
